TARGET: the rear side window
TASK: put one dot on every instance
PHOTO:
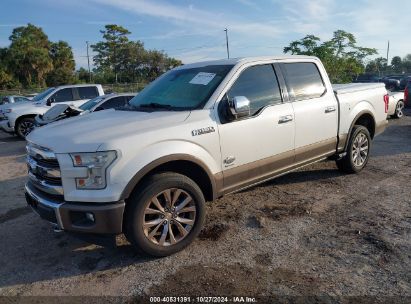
(113, 103)
(87, 92)
(259, 84)
(303, 80)
(63, 95)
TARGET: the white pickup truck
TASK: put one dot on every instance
(198, 132)
(18, 118)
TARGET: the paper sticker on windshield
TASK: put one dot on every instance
(202, 78)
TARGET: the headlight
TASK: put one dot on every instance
(97, 163)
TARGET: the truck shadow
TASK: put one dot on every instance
(33, 252)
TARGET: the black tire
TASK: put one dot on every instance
(142, 198)
(348, 163)
(399, 108)
(24, 127)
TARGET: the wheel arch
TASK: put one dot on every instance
(364, 118)
(184, 164)
(18, 119)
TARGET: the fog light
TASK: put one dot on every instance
(90, 216)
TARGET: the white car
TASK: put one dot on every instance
(198, 132)
(104, 102)
(19, 118)
(396, 104)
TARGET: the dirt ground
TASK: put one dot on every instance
(315, 232)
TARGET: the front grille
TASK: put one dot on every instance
(44, 169)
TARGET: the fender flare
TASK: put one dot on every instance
(215, 180)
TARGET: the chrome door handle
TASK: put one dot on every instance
(329, 109)
(284, 119)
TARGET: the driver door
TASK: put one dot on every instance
(261, 145)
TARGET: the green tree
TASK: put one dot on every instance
(376, 66)
(396, 64)
(107, 57)
(29, 55)
(63, 63)
(341, 56)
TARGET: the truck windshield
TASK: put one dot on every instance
(42, 95)
(182, 89)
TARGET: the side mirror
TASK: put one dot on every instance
(239, 106)
(50, 101)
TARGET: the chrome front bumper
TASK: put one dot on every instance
(71, 216)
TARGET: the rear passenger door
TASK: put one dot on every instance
(315, 110)
(255, 147)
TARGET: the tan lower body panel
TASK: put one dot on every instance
(259, 171)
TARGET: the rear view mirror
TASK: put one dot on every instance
(239, 106)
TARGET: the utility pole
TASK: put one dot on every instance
(388, 51)
(88, 63)
(226, 40)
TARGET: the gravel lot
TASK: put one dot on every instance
(315, 232)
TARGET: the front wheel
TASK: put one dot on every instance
(358, 151)
(24, 127)
(399, 109)
(165, 214)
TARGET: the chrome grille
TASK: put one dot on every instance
(43, 169)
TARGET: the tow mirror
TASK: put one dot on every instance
(239, 106)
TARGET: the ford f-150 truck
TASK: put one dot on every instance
(198, 132)
(19, 118)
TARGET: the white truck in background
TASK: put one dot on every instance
(198, 132)
(18, 118)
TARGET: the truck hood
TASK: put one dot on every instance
(85, 133)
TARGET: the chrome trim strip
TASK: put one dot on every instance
(53, 172)
(34, 150)
(44, 186)
(46, 202)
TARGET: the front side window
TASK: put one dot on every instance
(303, 80)
(114, 103)
(259, 84)
(63, 95)
(91, 103)
(182, 89)
(87, 92)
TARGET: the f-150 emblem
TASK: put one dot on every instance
(202, 131)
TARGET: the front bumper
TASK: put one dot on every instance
(72, 216)
(5, 126)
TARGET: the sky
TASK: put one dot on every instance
(194, 30)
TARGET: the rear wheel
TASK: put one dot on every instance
(165, 214)
(358, 151)
(25, 126)
(399, 109)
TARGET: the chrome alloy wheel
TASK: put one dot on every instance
(399, 109)
(169, 217)
(26, 127)
(360, 149)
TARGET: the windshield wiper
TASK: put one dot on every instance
(155, 105)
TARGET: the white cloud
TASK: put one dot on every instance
(191, 16)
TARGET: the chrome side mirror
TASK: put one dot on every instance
(239, 106)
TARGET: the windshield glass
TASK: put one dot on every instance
(43, 94)
(91, 103)
(182, 89)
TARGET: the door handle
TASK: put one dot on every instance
(284, 119)
(329, 109)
